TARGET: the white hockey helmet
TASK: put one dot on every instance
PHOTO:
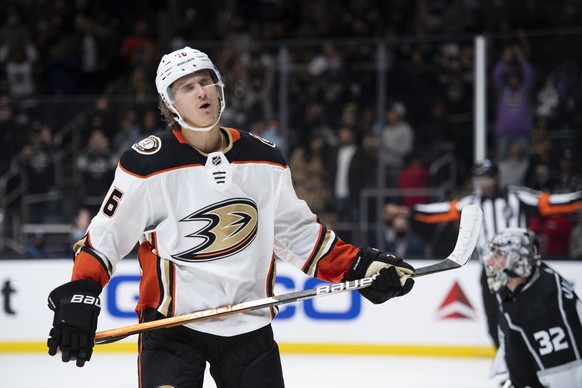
(512, 253)
(178, 64)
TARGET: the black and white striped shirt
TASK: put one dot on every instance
(513, 207)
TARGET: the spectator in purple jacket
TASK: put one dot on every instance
(513, 77)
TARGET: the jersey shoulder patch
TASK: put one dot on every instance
(253, 148)
(148, 146)
(158, 153)
(267, 142)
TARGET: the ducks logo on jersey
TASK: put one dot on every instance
(226, 228)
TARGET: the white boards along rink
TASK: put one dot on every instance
(442, 316)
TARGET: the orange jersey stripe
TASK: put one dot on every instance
(88, 267)
(234, 134)
(452, 215)
(334, 266)
(149, 289)
(548, 209)
(262, 162)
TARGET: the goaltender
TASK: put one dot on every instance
(540, 329)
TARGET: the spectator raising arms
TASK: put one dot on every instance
(513, 77)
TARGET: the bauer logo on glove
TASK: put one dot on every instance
(86, 299)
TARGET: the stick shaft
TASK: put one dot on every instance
(112, 335)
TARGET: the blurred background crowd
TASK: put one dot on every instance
(371, 102)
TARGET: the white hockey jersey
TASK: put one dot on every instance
(209, 226)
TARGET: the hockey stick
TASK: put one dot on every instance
(467, 239)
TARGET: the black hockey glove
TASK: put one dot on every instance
(391, 275)
(76, 305)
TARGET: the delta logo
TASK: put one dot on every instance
(456, 305)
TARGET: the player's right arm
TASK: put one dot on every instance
(112, 234)
(115, 230)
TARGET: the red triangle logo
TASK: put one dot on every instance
(456, 305)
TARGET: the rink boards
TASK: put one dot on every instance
(442, 316)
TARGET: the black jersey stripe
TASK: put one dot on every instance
(271, 278)
(159, 271)
(171, 287)
(173, 154)
(166, 283)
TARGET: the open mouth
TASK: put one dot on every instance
(206, 105)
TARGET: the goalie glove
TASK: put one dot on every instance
(391, 274)
(76, 306)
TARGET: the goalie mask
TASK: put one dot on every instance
(178, 64)
(512, 253)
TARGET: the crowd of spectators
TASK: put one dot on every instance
(92, 63)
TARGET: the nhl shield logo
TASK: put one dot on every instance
(216, 160)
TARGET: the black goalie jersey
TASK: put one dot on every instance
(541, 332)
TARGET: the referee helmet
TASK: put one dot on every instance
(485, 168)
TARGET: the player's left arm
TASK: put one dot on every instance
(307, 243)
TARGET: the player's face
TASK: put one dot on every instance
(488, 185)
(495, 261)
(197, 98)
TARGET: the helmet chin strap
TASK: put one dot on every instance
(183, 123)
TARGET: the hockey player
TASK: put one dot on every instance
(502, 208)
(540, 326)
(212, 208)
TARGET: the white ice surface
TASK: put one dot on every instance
(119, 371)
